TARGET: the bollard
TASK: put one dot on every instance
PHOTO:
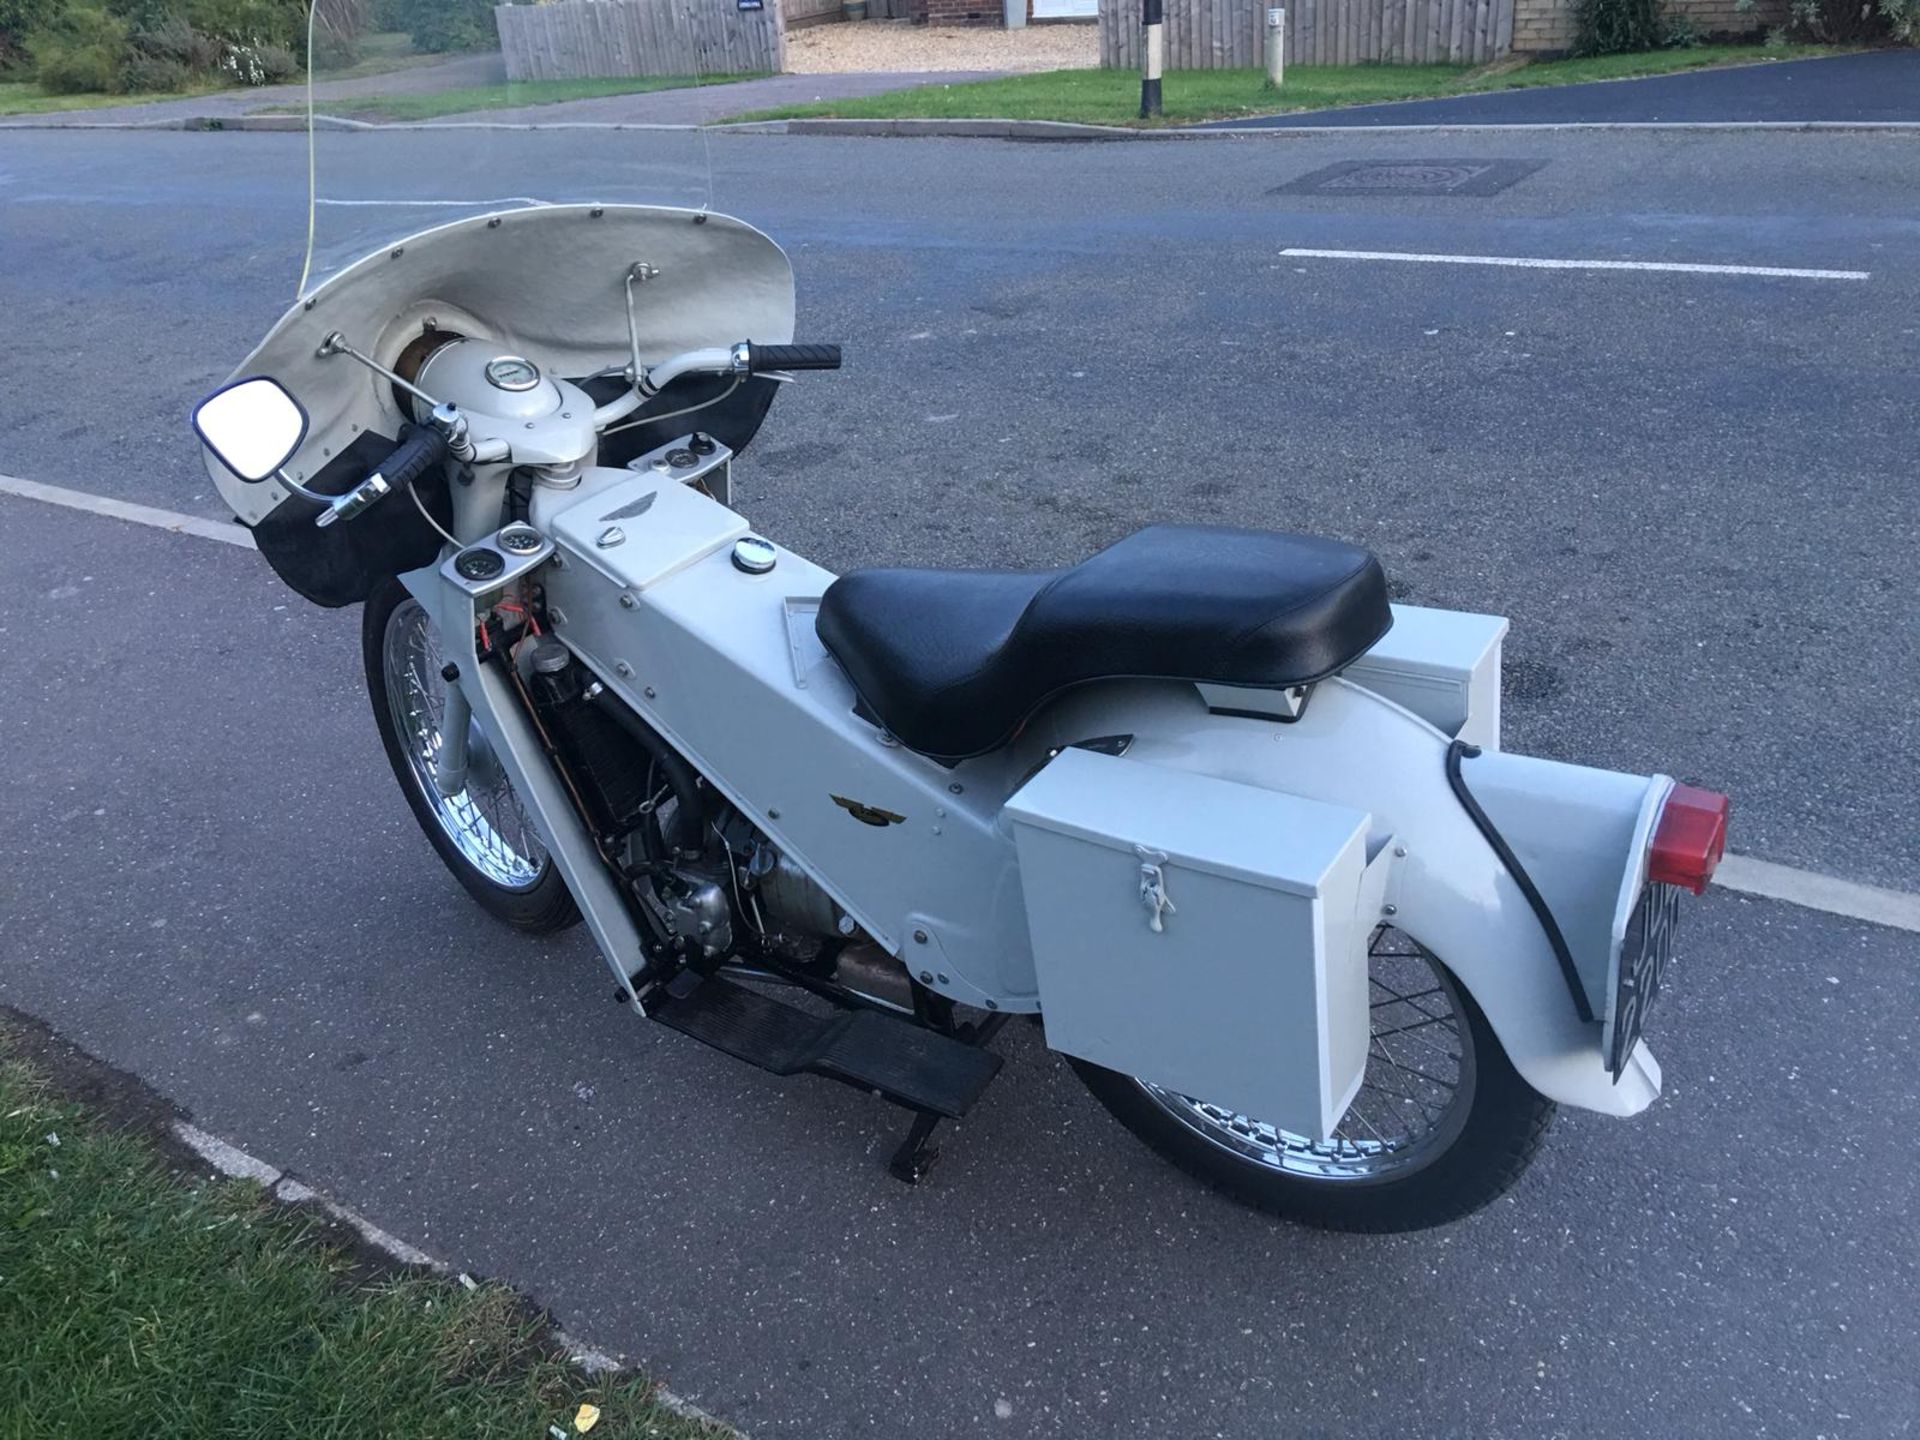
(1152, 16)
(1276, 47)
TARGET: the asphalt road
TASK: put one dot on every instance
(1869, 88)
(1691, 493)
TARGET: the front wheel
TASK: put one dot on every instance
(1442, 1125)
(483, 834)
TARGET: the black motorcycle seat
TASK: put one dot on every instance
(953, 662)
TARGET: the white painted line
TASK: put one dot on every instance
(226, 532)
(229, 1160)
(1522, 263)
(594, 1362)
(1896, 909)
(380, 1240)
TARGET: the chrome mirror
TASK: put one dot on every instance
(253, 426)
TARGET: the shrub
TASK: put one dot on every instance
(1608, 27)
(1852, 22)
(251, 22)
(171, 37)
(149, 74)
(20, 19)
(1678, 32)
(84, 51)
(247, 63)
(444, 24)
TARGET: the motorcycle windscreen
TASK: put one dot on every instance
(446, 202)
(570, 110)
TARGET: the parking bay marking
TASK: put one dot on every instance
(1897, 909)
(1515, 262)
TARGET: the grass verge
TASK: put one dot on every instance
(25, 97)
(381, 53)
(1112, 97)
(138, 1301)
(512, 95)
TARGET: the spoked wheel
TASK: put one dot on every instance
(483, 834)
(1443, 1123)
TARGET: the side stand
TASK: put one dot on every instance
(915, 1157)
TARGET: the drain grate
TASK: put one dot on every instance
(1412, 177)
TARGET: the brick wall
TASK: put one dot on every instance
(1545, 27)
(1723, 17)
(957, 12)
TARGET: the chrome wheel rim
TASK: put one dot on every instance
(1412, 1104)
(485, 821)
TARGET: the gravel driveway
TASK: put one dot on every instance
(899, 45)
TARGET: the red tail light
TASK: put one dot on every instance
(1689, 839)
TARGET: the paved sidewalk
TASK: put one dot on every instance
(1877, 86)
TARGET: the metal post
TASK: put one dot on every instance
(1276, 47)
(1151, 55)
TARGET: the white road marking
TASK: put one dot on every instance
(1515, 262)
(226, 532)
(463, 204)
(1740, 873)
(1896, 909)
(229, 1160)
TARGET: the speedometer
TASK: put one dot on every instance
(512, 372)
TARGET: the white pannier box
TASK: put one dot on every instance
(1205, 936)
(1444, 666)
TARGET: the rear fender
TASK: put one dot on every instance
(1580, 833)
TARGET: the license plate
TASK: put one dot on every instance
(1645, 951)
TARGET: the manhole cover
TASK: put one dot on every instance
(1412, 177)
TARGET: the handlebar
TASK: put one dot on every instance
(762, 358)
(420, 449)
(743, 359)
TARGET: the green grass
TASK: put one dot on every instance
(510, 95)
(381, 53)
(137, 1303)
(24, 97)
(1112, 97)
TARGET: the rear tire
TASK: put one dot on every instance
(1472, 1124)
(482, 835)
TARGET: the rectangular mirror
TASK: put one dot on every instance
(253, 426)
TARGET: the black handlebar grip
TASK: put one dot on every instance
(419, 450)
(762, 358)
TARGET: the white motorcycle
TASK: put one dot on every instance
(1235, 831)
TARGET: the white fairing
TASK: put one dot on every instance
(726, 665)
(547, 283)
(1449, 891)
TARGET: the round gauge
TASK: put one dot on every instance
(479, 563)
(512, 372)
(754, 555)
(680, 459)
(518, 539)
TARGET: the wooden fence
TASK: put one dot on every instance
(809, 12)
(580, 39)
(1231, 34)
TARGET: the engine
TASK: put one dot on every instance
(715, 883)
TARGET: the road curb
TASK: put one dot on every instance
(1056, 131)
(230, 1160)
